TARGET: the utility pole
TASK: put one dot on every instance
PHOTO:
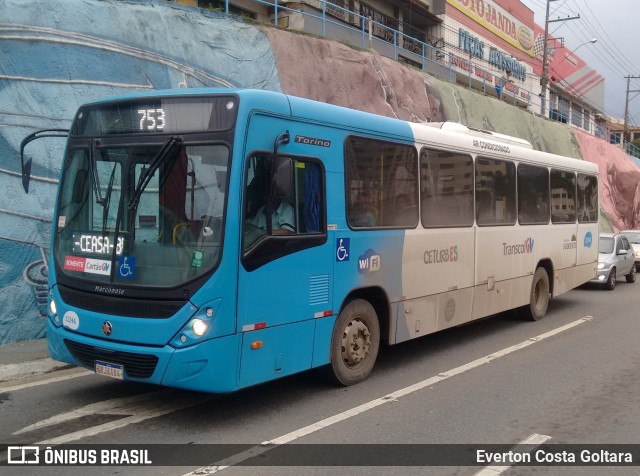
(545, 59)
(626, 108)
(545, 56)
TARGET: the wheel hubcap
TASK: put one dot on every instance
(356, 340)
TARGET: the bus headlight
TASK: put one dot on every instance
(199, 327)
(52, 307)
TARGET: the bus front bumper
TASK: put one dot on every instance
(209, 366)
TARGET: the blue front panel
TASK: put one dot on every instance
(142, 331)
(211, 366)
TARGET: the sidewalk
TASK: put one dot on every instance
(26, 359)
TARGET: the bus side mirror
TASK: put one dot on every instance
(26, 173)
(26, 165)
(282, 177)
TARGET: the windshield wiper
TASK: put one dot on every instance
(107, 200)
(94, 172)
(145, 178)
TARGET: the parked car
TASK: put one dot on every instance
(615, 258)
(634, 238)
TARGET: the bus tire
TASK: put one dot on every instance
(354, 343)
(539, 296)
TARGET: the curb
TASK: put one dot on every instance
(29, 369)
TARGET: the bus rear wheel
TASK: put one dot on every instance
(354, 343)
(539, 296)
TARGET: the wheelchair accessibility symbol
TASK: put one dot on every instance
(126, 267)
(342, 249)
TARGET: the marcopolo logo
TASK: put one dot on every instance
(520, 249)
(369, 262)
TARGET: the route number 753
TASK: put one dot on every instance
(151, 119)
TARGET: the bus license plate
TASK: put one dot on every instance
(110, 370)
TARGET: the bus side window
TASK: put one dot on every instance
(563, 196)
(533, 194)
(308, 197)
(587, 198)
(447, 188)
(495, 179)
(299, 214)
(381, 184)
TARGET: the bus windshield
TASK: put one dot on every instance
(141, 214)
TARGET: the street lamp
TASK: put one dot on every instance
(592, 40)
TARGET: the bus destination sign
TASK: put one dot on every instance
(96, 244)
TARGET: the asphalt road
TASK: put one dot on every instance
(571, 378)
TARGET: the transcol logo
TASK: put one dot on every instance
(520, 249)
(369, 262)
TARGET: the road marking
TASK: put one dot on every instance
(307, 430)
(117, 406)
(525, 446)
(80, 373)
(136, 408)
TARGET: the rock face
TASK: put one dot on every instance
(334, 73)
(87, 49)
(619, 181)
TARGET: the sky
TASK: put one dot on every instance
(615, 23)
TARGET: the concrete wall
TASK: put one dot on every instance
(56, 55)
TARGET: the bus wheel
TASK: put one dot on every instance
(539, 297)
(355, 342)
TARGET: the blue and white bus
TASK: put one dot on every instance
(216, 239)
